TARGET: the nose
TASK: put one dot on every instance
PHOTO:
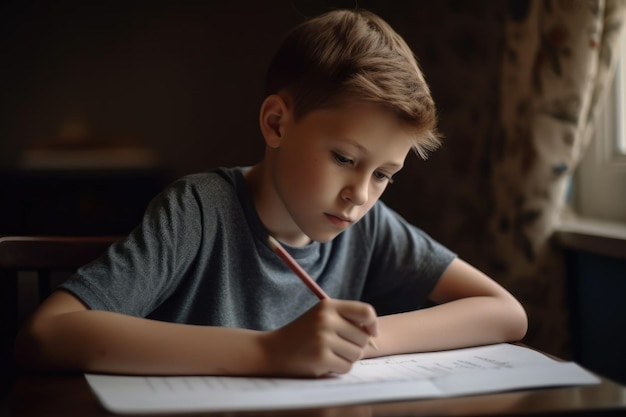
(356, 192)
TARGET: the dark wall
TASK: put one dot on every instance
(183, 77)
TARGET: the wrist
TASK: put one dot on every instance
(266, 353)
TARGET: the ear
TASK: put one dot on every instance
(272, 117)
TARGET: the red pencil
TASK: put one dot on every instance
(301, 273)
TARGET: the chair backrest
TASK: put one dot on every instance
(46, 254)
(42, 256)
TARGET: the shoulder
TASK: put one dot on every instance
(220, 179)
(210, 188)
(195, 200)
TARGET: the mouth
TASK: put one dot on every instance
(338, 221)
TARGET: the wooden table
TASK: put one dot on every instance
(69, 395)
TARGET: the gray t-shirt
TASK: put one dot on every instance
(201, 256)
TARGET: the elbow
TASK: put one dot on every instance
(50, 340)
(518, 323)
(34, 347)
(28, 350)
(25, 347)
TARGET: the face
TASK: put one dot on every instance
(330, 167)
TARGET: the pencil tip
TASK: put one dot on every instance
(372, 344)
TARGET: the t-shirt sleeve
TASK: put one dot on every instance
(136, 274)
(406, 263)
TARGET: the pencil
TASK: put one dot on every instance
(304, 277)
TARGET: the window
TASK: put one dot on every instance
(599, 188)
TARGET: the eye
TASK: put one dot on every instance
(342, 160)
(381, 176)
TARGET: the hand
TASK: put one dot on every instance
(328, 338)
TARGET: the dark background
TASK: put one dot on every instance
(182, 78)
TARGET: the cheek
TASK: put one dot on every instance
(304, 177)
(314, 171)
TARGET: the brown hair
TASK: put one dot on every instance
(354, 55)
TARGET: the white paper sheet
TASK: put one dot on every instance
(484, 369)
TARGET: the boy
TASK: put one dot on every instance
(196, 288)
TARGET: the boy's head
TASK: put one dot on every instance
(347, 56)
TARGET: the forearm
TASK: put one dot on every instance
(63, 334)
(465, 322)
(109, 342)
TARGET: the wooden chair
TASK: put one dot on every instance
(44, 257)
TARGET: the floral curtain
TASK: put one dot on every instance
(558, 58)
(518, 85)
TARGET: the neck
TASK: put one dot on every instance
(270, 208)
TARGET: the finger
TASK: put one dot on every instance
(347, 350)
(361, 314)
(353, 333)
(338, 358)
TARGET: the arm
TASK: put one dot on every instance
(64, 335)
(471, 310)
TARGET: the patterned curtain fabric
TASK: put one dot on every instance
(517, 84)
(558, 59)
